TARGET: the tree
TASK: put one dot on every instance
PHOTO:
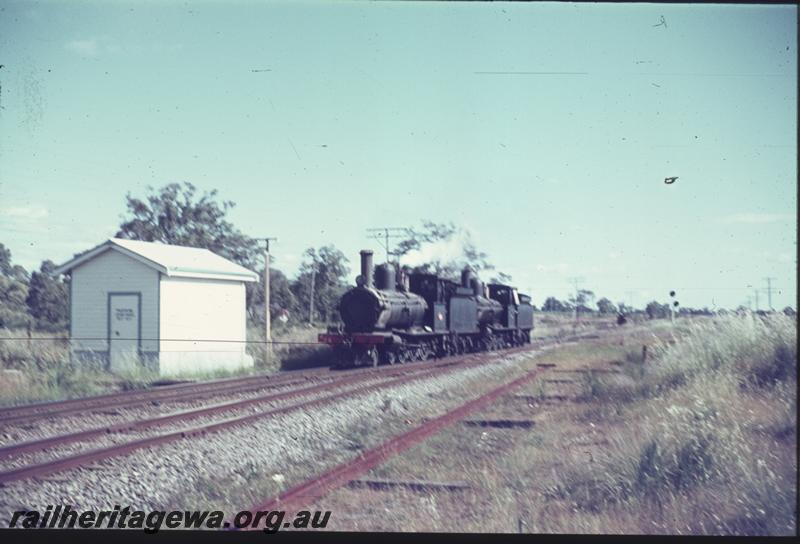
(654, 310)
(582, 300)
(328, 265)
(13, 292)
(9, 269)
(280, 296)
(48, 298)
(5, 261)
(176, 214)
(441, 248)
(685, 310)
(605, 306)
(501, 277)
(13, 311)
(552, 304)
(429, 233)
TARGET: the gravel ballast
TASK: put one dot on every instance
(299, 443)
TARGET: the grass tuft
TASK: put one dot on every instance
(697, 413)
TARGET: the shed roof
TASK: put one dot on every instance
(178, 261)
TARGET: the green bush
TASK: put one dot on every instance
(693, 433)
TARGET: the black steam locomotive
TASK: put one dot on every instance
(425, 316)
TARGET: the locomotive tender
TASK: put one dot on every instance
(425, 316)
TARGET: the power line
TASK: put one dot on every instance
(384, 234)
(769, 291)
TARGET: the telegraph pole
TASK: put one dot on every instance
(629, 296)
(311, 302)
(575, 281)
(267, 321)
(384, 234)
(769, 291)
(756, 292)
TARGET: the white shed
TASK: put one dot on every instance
(176, 309)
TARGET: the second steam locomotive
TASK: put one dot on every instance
(424, 316)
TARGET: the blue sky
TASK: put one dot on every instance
(546, 130)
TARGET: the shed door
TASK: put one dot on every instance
(124, 329)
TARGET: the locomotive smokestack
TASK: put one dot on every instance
(477, 287)
(366, 267)
(466, 276)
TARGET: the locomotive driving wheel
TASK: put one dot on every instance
(430, 352)
(390, 357)
(368, 358)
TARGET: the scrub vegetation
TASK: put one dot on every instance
(701, 436)
(698, 436)
(38, 368)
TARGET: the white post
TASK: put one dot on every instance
(311, 301)
(267, 320)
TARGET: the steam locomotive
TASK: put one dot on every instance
(424, 316)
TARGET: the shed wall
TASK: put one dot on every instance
(91, 282)
(203, 325)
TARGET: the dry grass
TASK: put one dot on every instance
(561, 324)
(698, 439)
(702, 436)
(41, 352)
(39, 368)
(293, 349)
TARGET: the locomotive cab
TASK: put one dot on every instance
(434, 290)
(525, 313)
(508, 297)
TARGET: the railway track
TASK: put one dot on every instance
(354, 383)
(208, 410)
(306, 493)
(174, 393)
(125, 399)
(329, 388)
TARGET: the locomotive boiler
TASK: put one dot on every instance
(382, 306)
